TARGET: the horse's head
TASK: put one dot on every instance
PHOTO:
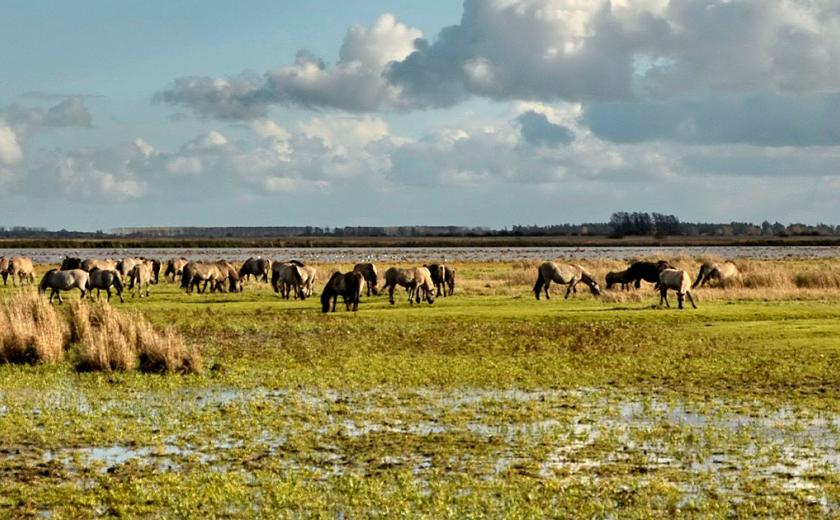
(595, 289)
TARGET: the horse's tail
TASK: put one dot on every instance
(540, 282)
(42, 287)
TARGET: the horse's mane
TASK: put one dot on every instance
(297, 263)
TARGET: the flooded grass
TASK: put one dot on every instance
(480, 405)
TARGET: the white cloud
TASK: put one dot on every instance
(185, 165)
(10, 151)
(355, 83)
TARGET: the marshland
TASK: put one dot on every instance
(486, 402)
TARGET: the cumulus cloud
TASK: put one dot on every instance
(764, 120)
(537, 129)
(10, 151)
(71, 111)
(355, 83)
(608, 51)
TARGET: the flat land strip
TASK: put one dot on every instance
(486, 403)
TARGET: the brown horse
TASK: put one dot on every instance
(347, 285)
(563, 274)
(370, 275)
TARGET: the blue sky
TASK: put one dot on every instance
(491, 112)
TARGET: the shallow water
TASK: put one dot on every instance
(420, 254)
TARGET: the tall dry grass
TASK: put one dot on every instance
(111, 340)
(31, 330)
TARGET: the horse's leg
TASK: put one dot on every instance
(335, 301)
(391, 293)
(545, 288)
(680, 299)
(690, 299)
(572, 284)
(60, 301)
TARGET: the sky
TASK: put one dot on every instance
(481, 113)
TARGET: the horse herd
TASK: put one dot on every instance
(293, 278)
(663, 275)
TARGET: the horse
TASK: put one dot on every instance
(564, 274)
(370, 275)
(57, 281)
(174, 267)
(106, 279)
(21, 267)
(228, 272)
(125, 266)
(395, 276)
(141, 276)
(622, 277)
(308, 275)
(721, 272)
(285, 277)
(256, 267)
(449, 279)
(677, 280)
(4, 267)
(422, 284)
(71, 262)
(94, 263)
(194, 273)
(647, 271)
(438, 272)
(154, 265)
(347, 285)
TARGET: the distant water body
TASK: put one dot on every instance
(420, 254)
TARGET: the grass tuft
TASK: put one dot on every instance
(31, 331)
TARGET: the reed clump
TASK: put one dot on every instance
(31, 330)
(110, 340)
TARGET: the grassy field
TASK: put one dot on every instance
(488, 403)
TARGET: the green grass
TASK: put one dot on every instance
(479, 405)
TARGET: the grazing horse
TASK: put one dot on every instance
(411, 279)
(622, 277)
(21, 267)
(71, 262)
(438, 272)
(449, 279)
(194, 273)
(174, 267)
(140, 276)
(285, 277)
(370, 275)
(93, 263)
(4, 267)
(395, 276)
(58, 281)
(647, 271)
(256, 267)
(347, 285)
(720, 272)
(563, 274)
(104, 280)
(422, 284)
(228, 272)
(308, 275)
(676, 280)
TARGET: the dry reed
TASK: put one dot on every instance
(31, 330)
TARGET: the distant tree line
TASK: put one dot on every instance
(620, 224)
